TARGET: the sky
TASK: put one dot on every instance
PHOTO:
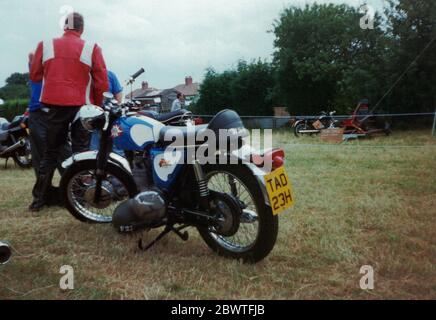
(170, 39)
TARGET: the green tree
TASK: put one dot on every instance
(324, 60)
(17, 87)
(246, 89)
(18, 79)
(413, 67)
(215, 93)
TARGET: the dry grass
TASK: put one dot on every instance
(357, 204)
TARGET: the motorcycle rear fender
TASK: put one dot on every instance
(259, 174)
(296, 123)
(243, 155)
(114, 158)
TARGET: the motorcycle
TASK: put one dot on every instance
(5, 253)
(230, 205)
(14, 140)
(307, 126)
(180, 117)
(363, 122)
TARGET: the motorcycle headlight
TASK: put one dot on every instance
(92, 117)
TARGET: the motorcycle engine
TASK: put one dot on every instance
(145, 210)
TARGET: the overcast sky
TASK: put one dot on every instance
(171, 39)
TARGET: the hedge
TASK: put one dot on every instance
(12, 108)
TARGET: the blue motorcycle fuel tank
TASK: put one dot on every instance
(135, 133)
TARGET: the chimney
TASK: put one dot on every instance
(144, 85)
(188, 81)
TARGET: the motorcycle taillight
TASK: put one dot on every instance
(278, 158)
(275, 156)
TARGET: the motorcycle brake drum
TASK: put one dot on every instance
(228, 212)
(105, 197)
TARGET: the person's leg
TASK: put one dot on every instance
(55, 198)
(80, 137)
(58, 121)
(36, 138)
(64, 153)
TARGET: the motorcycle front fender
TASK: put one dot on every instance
(92, 155)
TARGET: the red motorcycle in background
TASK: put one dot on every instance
(364, 122)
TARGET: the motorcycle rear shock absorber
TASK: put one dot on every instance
(202, 186)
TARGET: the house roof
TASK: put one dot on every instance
(188, 90)
(141, 93)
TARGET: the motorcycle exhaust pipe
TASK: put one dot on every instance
(5, 253)
(309, 131)
(14, 147)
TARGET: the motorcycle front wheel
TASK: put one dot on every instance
(258, 227)
(78, 188)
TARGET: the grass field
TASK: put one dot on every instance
(369, 202)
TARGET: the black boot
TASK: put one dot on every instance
(55, 198)
(41, 191)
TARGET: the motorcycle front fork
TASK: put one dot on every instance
(102, 158)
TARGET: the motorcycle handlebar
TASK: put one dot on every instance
(136, 75)
(5, 253)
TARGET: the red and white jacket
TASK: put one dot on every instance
(72, 71)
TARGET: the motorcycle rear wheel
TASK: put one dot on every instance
(257, 212)
(300, 126)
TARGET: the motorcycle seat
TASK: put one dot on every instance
(173, 132)
(166, 117)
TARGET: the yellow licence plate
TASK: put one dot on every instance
(279, 190)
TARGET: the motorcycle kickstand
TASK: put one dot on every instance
(169, 228)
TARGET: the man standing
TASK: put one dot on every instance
(68, 67)
(177, 104)
(38, 135)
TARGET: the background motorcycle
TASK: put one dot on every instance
(310, 126)
(228, 204)
(14, 140)
(364, 122)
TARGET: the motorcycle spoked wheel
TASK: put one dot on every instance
(77, 185)
(258, 227)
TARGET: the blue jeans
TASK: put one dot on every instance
(95, 144)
